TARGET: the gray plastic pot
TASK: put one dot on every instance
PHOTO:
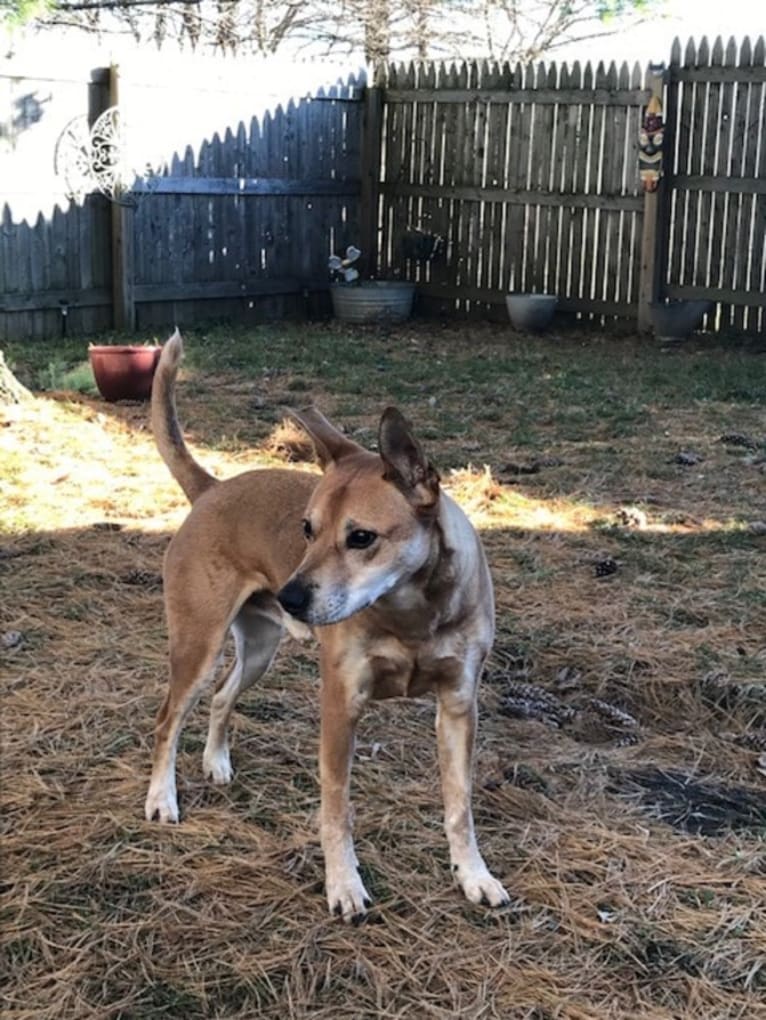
(676, 320)
(531, 313)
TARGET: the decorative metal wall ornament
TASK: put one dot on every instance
(651, 136)
(99, 158)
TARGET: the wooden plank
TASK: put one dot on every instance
(123, 269)
(391, 169)
(254, 166)
(615, 156)
(754, 299)
(460, 222)
(579, 183)
(623, 174)
(727, 185)
(43, 300)
(526, 157)
(272, 210)
(750, 75)
(8, 254)
(714, 207)
(454, 175)
(699, 266)
(419, 160)
(567, 187)
(517, 184)
(557, 142)
(735, 242)
(756, 239)
(652, 225)
(288, 256)
(37, 253)
(689, 129)
(227, 289)
(634, 188)
(183, 219)
(444, 115)
(401, 168)
(63, 254)
(497, 179)
(472, 162)
(217, 205)
(227, 208)
(492, 175)
(369, 191)
(408, 168)
(527, 94)
(476, 295)
(541, 166)
(601, 282)
(314, 210)
(428, 217)
(588, 131)
(12, 241)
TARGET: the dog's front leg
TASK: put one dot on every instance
(456, 733)
(346, 894)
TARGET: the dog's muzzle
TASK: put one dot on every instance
(295, 598)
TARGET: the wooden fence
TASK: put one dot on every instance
(239, 223)
(530, 175)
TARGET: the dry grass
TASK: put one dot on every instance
(623, 713)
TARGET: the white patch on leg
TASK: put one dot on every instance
(161, 800)
(216, 764)
(347, 897)
(478, 885)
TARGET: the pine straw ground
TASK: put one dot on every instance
(620, 769)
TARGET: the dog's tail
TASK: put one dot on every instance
(190, 475)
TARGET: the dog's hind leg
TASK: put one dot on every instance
(200, 603)
(456, 733)
(257, 631)
(192, 661)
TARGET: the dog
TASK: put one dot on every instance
(375, 559)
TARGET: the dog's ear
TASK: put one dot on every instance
(330, 444)
(406, 464)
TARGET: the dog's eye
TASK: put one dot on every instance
(360, 539)
(307, 531)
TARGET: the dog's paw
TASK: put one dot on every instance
(347, 897)
(161, 804)
(216, 766)
(479, 886)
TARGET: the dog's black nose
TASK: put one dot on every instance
(295, 598)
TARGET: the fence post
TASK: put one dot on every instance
(372, 133)
(653, 230)
(123, 294)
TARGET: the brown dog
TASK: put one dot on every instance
(377, 558)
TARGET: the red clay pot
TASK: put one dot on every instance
(124, 372)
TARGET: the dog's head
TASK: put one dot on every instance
(369, 522)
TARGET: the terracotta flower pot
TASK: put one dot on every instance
(124, 372)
